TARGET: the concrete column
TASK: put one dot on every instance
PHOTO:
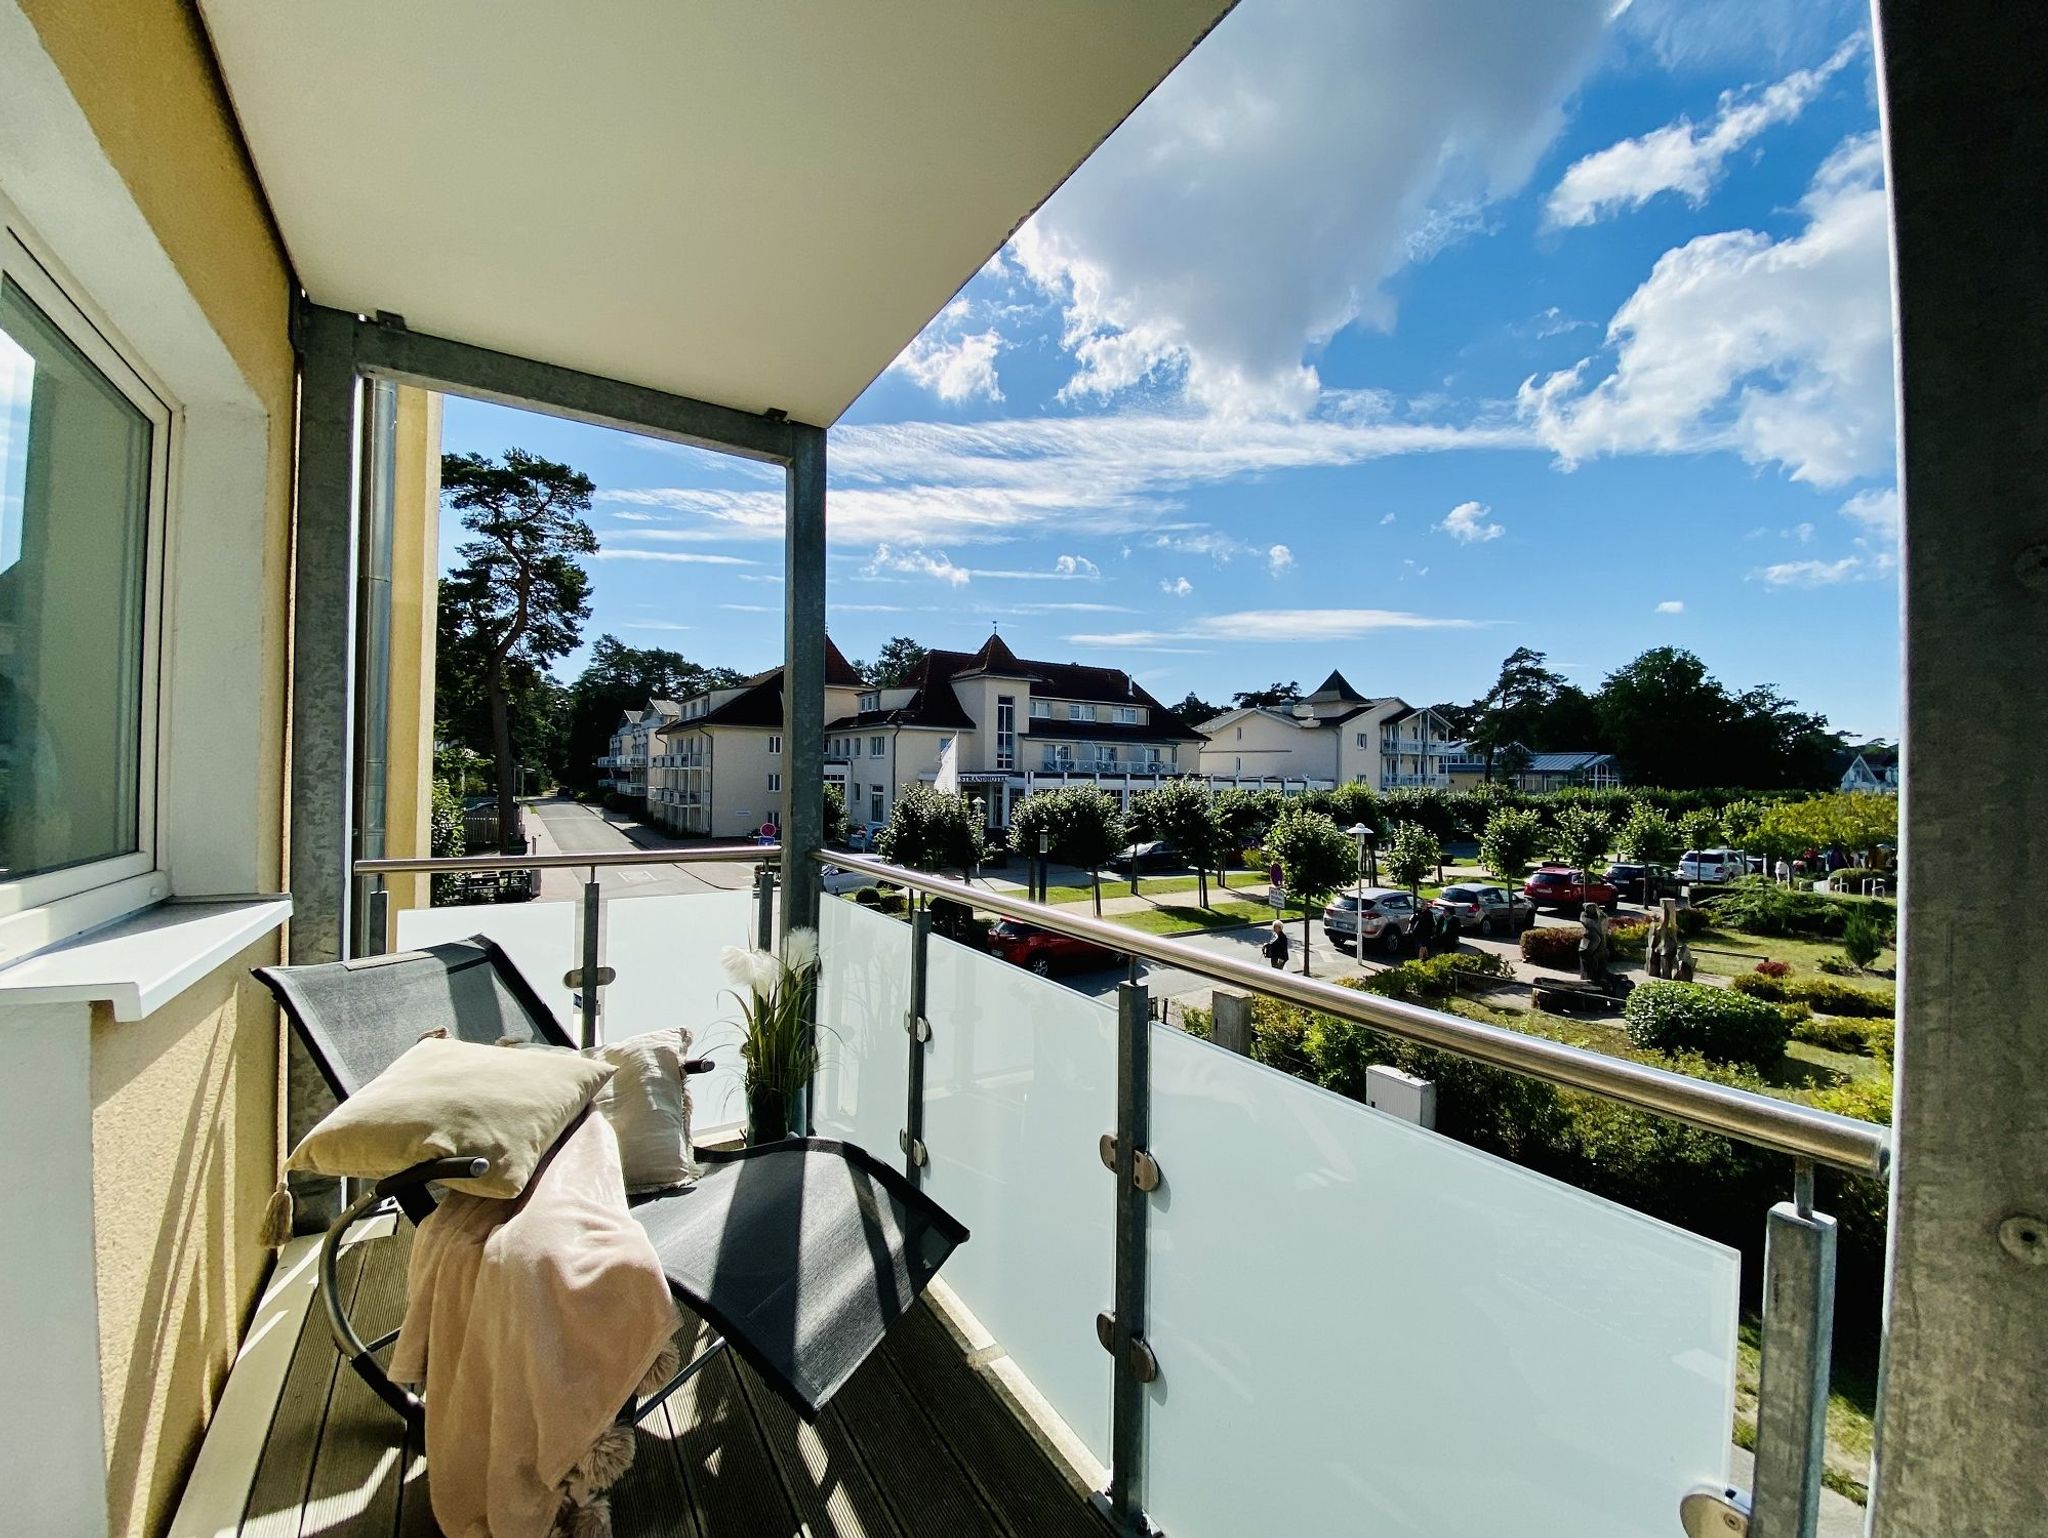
(1230, 1021)
(803, 678)
(1963, 1417)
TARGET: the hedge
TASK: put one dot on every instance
(1757, 907)
(1720, 1025)
(1434, 981)
(1823, 994)
(1551, 946)
(1837, 1033)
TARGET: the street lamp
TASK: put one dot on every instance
(1044, 849)
(1363, 834)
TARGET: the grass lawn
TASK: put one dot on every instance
(1804, 955)
(1191, 919)
(1151, 886)
(1852, 1410)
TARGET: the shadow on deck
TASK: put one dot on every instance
(921, 1443)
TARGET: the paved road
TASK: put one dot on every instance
(570, 827)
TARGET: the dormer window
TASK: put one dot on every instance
(872, 700)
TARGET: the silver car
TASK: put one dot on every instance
(1486, 910)
(1388, 918)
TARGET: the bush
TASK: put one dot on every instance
(1829, 997)
(1760, 908)
(1434, 981)
(1863, 935)
(1840, 966)
(1550, 946)
(1865, 1038)
(1761, 985)
(1719, 1024)
(1773, 968)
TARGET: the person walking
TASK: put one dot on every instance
(1275, 948)
(1424, 932)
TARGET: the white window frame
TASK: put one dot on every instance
(876, 747)
(69, 315)
(775, 745)
(774, 784)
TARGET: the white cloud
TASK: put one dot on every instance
(657, 624)
(1068, 608)
(1877, 512)
(1178, 587)
(1386, 519)
(1466, 523)
(956, 369)
(1118, 473)
(869, 608)
(1803, 532)
(1076, 566)
(1684, 157)
(915, 563)
(1779, 350)
(1278, 559)
(687, 557)
(1276, 625)
(1671, 606)
(1816, 573)
(752, 608)
(1255, 203)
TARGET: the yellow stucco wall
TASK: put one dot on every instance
(185, 1112)
(184, 1153)
(409, 717)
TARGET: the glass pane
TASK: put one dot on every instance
(1020, 1087)
(863, 997)
(74, 518)
(541, 938)
(1365, 1327)
(665, 951)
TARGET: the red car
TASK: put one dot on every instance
(1042, 951)
(1559, 886)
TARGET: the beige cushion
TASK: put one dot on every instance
(648, 1104)
(444, 1098)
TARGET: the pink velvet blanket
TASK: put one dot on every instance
(531, 1322)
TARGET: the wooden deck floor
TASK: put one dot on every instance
(920, 1444)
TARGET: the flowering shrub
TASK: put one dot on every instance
(1773, 968)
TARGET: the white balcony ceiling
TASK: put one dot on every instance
(756, 203)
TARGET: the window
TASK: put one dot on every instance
(1041, 710)
(875, 804)
(1362, 741)
(1006, 731)
(82, 461)
(774, 784)
(856, 747)
(1126, 715)
(1240, 734)
(775, 745)
(872, 700)
(875, 746)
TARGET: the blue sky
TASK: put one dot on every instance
(1386, 338)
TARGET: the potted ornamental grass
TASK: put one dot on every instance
(778, 1040)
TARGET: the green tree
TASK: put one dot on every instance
(1092, 831)
(1512, 837)
(1316, 858)
(1666, 718)
(1194, 710)
(1579, 837)
(1270, 696)
(931, 830)
(618, 678)
(520, 597)
(835, 814)
(1414, 852)
(1248, 815)
(1184, 814)
(1649, 835)
(1511, 711)
(1701, 829)
(895, 665)
(1857, 820)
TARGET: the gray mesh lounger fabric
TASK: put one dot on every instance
(801, 1253)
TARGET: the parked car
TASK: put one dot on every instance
(1559, 886)
(861, 837)
(1486, 910)
(1155, 854)
(844, 883)
(1388, 918)
(1712, 865)
(1643, 883)
(1042, 951)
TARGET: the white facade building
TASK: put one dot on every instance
(1334, 736)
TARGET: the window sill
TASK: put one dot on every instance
(140, 963)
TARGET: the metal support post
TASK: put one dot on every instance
(803, 678)
(1792, 1383)
(588, 976)
(920, 1032)
(764, 907)
(1123, 1331)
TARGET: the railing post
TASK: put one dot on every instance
(1792, 1382)
(587, 973)
(1123, 1331)
(920, 1032)
(764, 907)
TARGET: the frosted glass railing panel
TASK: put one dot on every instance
(1020, 1086)
(863, 999)
(664, 950)
(543, 940)
(1363, 1327)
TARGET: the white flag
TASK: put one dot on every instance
(948, 779)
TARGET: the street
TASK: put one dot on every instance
(561, 826)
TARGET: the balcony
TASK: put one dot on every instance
(1591, 1351)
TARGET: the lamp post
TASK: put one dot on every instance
(1044, 849)
(980, 831)
(1363, 834)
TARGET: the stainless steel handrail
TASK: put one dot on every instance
(741, 853)
(1842, 1142)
